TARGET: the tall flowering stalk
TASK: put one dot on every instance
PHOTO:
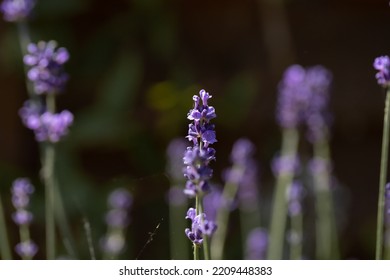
(295, 195)
(46, 73)
(240, 182)
(291, 103)
(117, 220)
(21, 191)
(318, 120)
(387, 224)
(382, 64)
(197, 172)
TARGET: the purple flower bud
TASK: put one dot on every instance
(256, 244)
(16, 10)
(26, 249)
(46, 67)
(285, 164)
(294, 196)
(22, 217)
(382, 64)
(120, 198)
(48, 127)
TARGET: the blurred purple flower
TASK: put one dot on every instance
(120, 198)
(26, 249)
(256, 244)
(16, 10)
(46, 126)
(382, 64)
(303, 99)
(175, 151)
(46, 67)
(295, 194)
(285, 164)
(176, 196)
(22, 217)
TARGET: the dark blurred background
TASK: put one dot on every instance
(134, 67)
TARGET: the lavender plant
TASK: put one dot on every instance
(197, 172)
(382, 65)
(387, 222)
(240, 182)
(295, 195)
(256, 244)
(21, 191)
(117, 220)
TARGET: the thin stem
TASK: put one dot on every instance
(4, 241)
(24, 233)
(279, 212)
(326, 230)
(218, 243)
(48, 177)
(206, 248)
(87, 229)
(296, 230)
(382, 180)
(196, 247)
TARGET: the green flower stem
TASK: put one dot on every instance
(178, 241)
(326, 230)
(49, 181)
(290, 139)
(24, 233)
(4, 241)
(296, 229)
(219, 239)
(382, 179)
(196, 247)
(206, 248)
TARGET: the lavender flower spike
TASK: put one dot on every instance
(21, 191)
(382, 64)
(48, 127)
(26, 249)
(197, 158)
(45, 64)
(16, 10)
(199, 227)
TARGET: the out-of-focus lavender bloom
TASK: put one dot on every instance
(22, 217)
(21, 190)
(175, 167)
(199, 227)
(26, 249)
(303, 99)
(294, 237)
(175, 151)
(382, 64)
(197, 158)
(319, 165)
(294, 196)
(176, 196)
(113, 244)
(285, 164)
(212, 202)
(244, 173)
(120, 199)
(256, 244)
(46, 126)
(45, 64)
(16, 10)
(117, 218)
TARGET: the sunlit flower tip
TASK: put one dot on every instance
(16, 10)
